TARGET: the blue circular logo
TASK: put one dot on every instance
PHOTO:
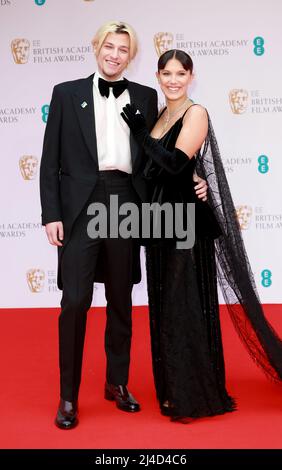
(258, 43)
(39, 2)
(263, 166)
(266, 280)
(45, 112)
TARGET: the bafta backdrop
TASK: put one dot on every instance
(236, 48)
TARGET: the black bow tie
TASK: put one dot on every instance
(118, 87)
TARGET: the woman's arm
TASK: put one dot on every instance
(194, 130)
(173, 162)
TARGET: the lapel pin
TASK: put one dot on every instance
(84, 104)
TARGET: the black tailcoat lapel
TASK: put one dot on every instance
(84, 106)
(138, 100)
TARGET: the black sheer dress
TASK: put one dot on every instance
(187, 352)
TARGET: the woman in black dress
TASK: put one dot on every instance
(188, 362)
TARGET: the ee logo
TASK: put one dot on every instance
(266, 280)
(258, 42)
(263, 166)
(45, 112)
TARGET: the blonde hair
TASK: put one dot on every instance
(119, 27)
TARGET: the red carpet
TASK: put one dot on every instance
(29, 392)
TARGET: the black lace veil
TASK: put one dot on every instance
(234, 273)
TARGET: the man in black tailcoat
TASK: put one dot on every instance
(89, 155)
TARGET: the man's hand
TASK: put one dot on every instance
(201, 188)
(55, 233)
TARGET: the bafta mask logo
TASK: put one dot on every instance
(28, 166)
(238, 99)
(163, 42)
(244, 214)
(20, 50)
(35, 279)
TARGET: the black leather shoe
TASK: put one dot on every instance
(124, 400)
(66, 417)
(165, 409)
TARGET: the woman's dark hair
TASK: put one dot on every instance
(177, 54)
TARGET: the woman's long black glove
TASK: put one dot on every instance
(172, 162)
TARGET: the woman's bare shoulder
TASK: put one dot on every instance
(196, 113)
